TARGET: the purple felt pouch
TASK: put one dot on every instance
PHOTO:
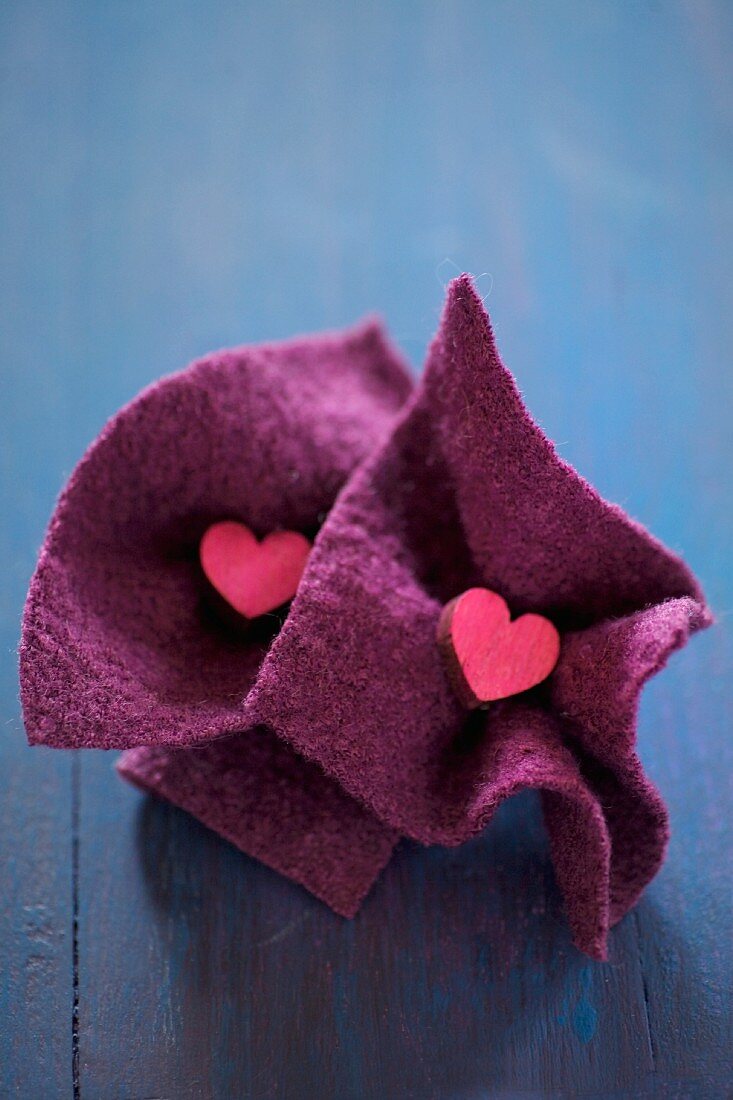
(316, 750)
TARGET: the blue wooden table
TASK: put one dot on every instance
(179, 176)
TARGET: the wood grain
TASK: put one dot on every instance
(36, 922)
(183, 177)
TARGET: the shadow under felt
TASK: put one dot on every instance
(463, 941)
(482, 899)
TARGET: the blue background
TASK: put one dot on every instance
(181, 176)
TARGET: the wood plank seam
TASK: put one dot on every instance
(645, 989)
(75, 841)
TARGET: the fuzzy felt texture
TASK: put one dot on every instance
(342, 732)
(120, 646)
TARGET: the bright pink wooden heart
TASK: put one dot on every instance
(254, 577)
(490, 657)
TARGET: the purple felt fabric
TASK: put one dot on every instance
(255, 791)
(329, 742)
(119, 646)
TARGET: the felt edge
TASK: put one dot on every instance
(583, 909)
(694, 617)
(129, 767)
(648, 790)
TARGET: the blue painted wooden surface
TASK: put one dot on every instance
(179, 176)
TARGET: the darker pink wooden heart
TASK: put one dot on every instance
(254, 577)
(487, 655)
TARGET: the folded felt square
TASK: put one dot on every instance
(344, 733)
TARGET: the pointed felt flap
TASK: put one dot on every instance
(265, 799)
(538, 533)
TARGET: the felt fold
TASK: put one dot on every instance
(468, 491)
(118, 646)
(316, 749)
